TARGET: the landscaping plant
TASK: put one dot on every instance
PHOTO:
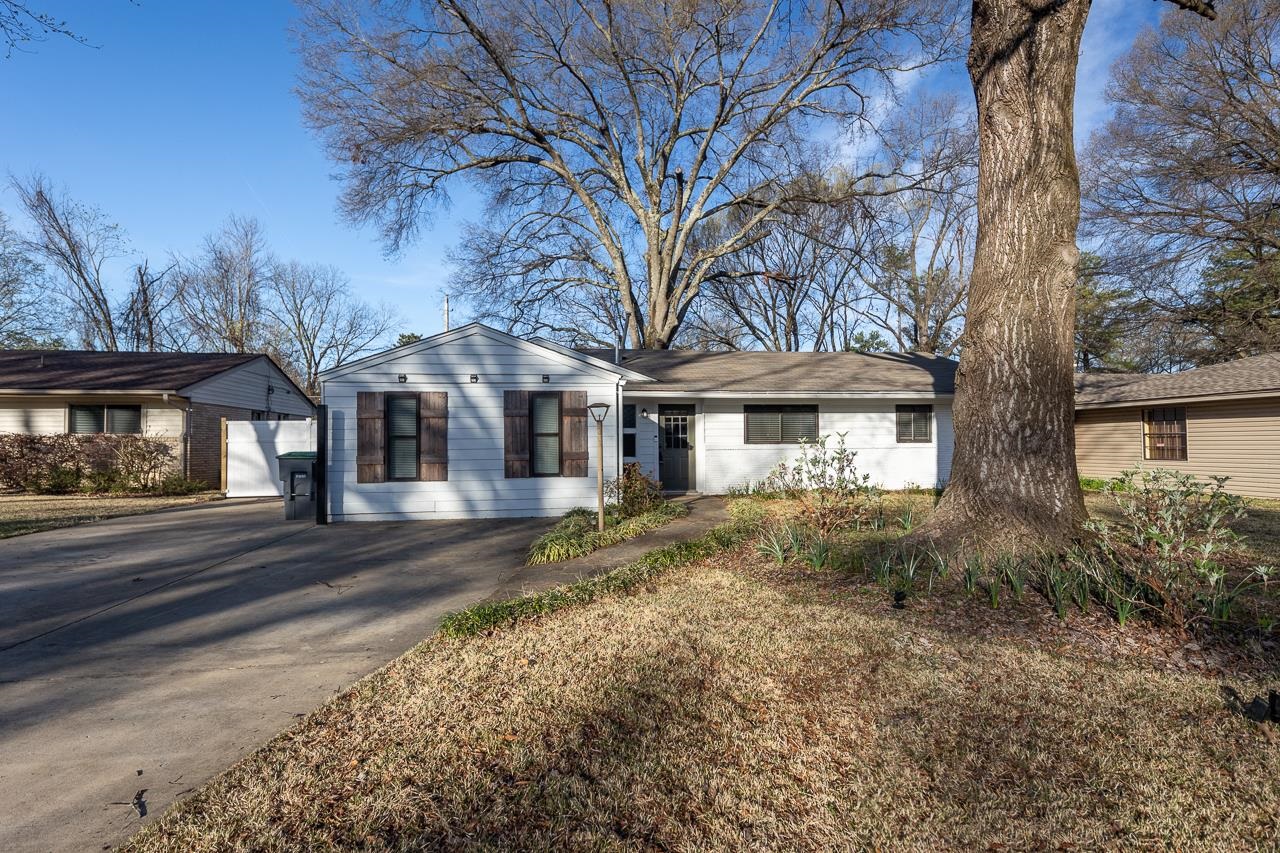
(1173, 550)
(826, 485)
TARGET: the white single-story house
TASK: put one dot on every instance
(475, 422)
(179, 397)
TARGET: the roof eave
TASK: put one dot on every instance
(1168, 400)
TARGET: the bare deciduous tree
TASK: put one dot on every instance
(605, 133)
(148, 320)
(919, 285)
(78, 242)
(1182, 186)
(1014, 486)
(220, 292)
(25, 315)
(319, 324)
(794, 286)
(20, 25)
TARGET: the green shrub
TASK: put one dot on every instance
(1093, 484)
(174, 485)
(1171, 550)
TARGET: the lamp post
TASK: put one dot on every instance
(598, 412)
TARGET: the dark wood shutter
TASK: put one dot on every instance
(371, 437)
(515, 434)
(573, 434)
(433, 435)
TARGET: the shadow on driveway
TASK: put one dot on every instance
(176, 642)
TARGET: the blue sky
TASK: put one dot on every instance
(184, 113)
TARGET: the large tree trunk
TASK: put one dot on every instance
(1014, 487)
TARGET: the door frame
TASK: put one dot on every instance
(691, 410)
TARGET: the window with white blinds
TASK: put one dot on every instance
(402, 437)
(780, 424)
(915, 424)
(545, 424)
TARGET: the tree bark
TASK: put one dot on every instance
(1014, 488)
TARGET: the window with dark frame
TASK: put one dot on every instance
(1164, 434)
(402, 436)
(113, 420)
(544, 424)
(779, 424)
(915, 424)
(629, 431)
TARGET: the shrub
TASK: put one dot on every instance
(633, 493)
(576, 534)
(141, 462)
(1171, 549)
(825, 482)
(97, 463)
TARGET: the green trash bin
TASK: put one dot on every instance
(298, 473)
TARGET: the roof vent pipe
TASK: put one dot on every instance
(615, 353)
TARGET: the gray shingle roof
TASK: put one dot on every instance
(817, 372)
(49, 370)
(1258, 375)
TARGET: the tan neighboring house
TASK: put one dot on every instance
(179, 397)
(1221, 420)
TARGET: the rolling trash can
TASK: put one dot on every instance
(298, 472)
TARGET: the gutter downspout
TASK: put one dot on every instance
(617, 431)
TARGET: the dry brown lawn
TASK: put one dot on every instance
(735, 704)
(32, 513)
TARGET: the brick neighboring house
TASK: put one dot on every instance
(1220, 420)
(176, 396)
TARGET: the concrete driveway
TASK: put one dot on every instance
(151, 652)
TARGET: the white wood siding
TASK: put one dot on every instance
(476, 487)
(48, 416)
(245, 387)
(724, 460)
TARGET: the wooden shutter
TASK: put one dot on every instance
(433, 435)
(573, 434)
(515, 434)
(371, 437)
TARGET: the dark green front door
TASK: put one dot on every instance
(675, 448)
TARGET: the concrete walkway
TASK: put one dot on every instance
(705, 512)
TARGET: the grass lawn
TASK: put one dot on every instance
(733, 704)
(31, 513)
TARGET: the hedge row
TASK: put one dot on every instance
(94, 463)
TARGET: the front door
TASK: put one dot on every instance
(675, 448)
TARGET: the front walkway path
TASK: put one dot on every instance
(705, 512)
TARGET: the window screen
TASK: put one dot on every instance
(629, 444)
(780, 424)
(124, 419)
(1164, 434)
(402, 437)
(915, 424)
(629, 417)
(545, 422)
(86, 419)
